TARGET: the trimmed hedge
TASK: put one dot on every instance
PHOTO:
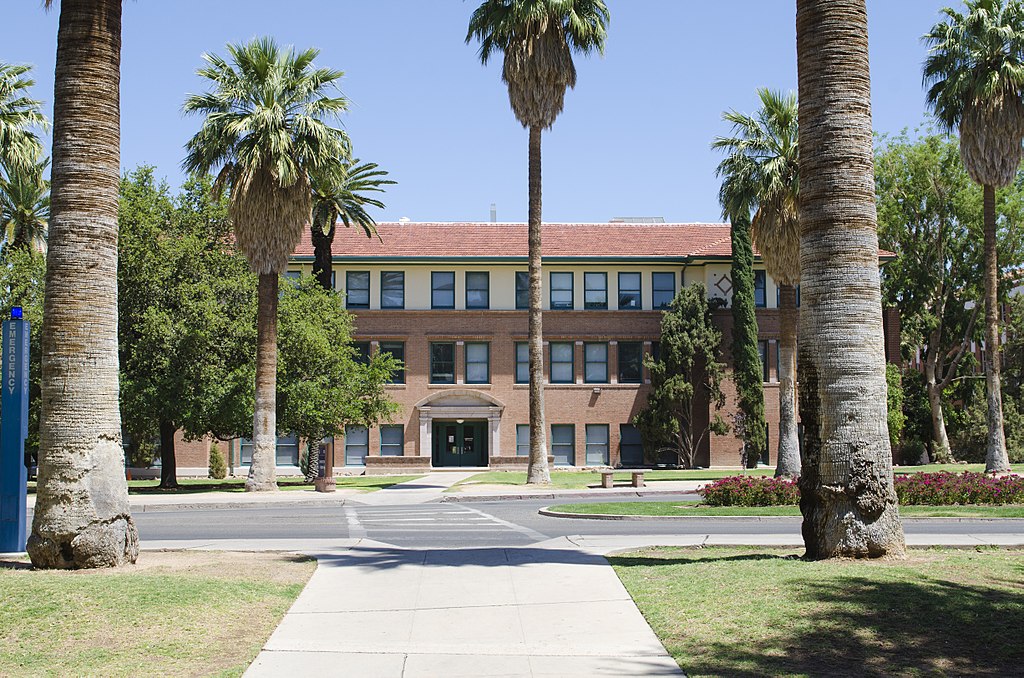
(922, 489)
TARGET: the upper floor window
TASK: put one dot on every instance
(522, 289)
(478, 363)
(442, 363)
(762, 350)
(442, 289)
(357, 289)
(522, 362)
(631, 362)
(760, 289)
(562, 364)
(561, 291)
(778, 296)
(397, 351)
(595, 291)
(293, 277)
(595, 363)
(392, 289)
(629, 291)
(663, 287)
(362, 352)
(478, 284)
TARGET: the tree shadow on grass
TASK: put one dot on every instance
(862, 626)
(7, 564)
(634, 560)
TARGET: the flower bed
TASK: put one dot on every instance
(944, 488)
(921, 489)
(750, 491)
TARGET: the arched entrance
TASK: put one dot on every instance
(460, 427)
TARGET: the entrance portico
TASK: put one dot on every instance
(462, 410)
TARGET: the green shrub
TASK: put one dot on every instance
(896, 417)
(218, 467)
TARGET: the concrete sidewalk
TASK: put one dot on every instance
(179, 501)
(544, 610)
(469, 493)
(419, 491)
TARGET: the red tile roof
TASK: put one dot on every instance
(485, 239)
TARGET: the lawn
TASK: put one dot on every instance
(174, 613)
(952, 468)
(199, 485)
(583, 479)
(757, 612)
(696, 509)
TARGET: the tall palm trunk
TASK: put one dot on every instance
(847, 496)
(788, 464)
(168, 462)
(82, 517)
(322, 261)
(263, 469)
(996, 460)
(537, 471)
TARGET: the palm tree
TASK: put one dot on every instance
(762, 172)
(264, 129)
(82, 516)
(339, 191)
(19, 145)
(846, 488)
(538, 38)
(975, 70)
(25, 206)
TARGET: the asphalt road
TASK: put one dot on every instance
(461, 525)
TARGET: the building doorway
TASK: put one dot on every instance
(459, 443)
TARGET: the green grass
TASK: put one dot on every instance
(172, 614)
(583, 479)
(696, 509)
(290, 483)
(952, 468)
(758, 612)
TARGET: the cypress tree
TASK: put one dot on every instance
(747, 368)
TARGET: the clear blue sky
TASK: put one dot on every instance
(632, 141)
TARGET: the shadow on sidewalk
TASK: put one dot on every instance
(382, 558)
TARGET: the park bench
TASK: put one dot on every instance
(607, 479)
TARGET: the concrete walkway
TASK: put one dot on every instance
(420, 491)
(544, 610)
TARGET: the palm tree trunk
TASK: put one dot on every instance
(788, 464)
(322, 255)
(537, 471)
(262, 470)
(168, 462)
(847, 496)
(941, 452)
(82, 517)
(996, 460)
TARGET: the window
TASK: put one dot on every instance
(334, 280)
(522, 289)
(442, 289)
(595, 363)
(563, 444)
(522, 362)
(656, 350)
(293, 277)
(392, 440)
(392, 289)
(478, 363)
(397, 351)
(631, 451)
(362, 349)
(442, 363)
(287, 452)
(664, 289)
(357, 444)
(597, 445)
(478, 290)
(561, 291)
(778, 296)
(357, 289)
(629, 291)
(760, 287)
(631, 362)
(522, 440)
(762, 351)
(562, 365)
(595, 291)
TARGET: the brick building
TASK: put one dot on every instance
(449, 299)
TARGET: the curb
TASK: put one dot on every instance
(213, 506)
(546, 511)
(567, 495)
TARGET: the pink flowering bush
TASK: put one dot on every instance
(944, 488)
(750, 491)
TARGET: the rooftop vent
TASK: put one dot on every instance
(637, 220)
(404, 220)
